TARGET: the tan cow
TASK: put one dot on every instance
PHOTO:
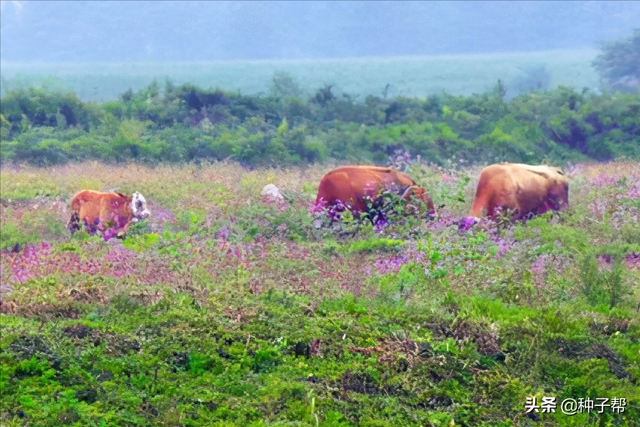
(526, 189)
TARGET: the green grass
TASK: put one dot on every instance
(275, 323)
(408, 76)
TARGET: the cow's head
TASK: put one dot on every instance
(557, 188)
(422, 195)
(558, 193)
(138, 206)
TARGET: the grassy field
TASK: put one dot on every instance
(223, 310)
(407, 76)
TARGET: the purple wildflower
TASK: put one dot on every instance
(598, 207)
(604, 180)
(633, 193)
(504, 246)
(318, 206)
(633, 260)
(335, 211)
(391, 265)
(381, 224)
(541, 268)
(605, 262)
(467, 223)
(165, 215)
(223, 233)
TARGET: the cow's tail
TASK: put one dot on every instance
(75, 204)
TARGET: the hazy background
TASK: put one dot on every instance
(64, 44)
(216, 30)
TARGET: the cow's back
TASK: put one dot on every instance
(95, 206)
(518, 186)
(348, 186)
(351, 184)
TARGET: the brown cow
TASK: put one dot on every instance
(526, 189)
(354, 185)
(102, 211)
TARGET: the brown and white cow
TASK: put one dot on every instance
(103, 211)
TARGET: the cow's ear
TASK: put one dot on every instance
(121, 195)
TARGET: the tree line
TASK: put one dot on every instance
(285, 127)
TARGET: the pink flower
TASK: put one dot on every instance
(633, 260)
(603, 180)
(466, 223)
(391, 265)
(542, 266)
(318, 206)
(448, 178)
(633, 194)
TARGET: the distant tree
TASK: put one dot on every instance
(324, 95)
(127, 96)
(619, 63)
(284, 85)
(534, 78)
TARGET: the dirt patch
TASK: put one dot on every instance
(436, 403)
(307, 350)
(147, 298)
(364, 384)
(105, 376)
(47, 311)
(581, 350)
(27, 346)
(568, 349)
(119, 345)
(400, 354)
(88, 295)
(616, 367)
(485, 340)
(611, 327)
(68, 417)
(8, 307)
(78, 331)
(89, 395)
(179, 361)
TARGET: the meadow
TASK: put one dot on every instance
(408, 76)
(225, 310)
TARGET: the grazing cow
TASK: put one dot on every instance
(102, 211)
(271, 193)
(528, 190)
(353, 186)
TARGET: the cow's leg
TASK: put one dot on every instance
(74, 223)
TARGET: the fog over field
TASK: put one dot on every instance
(101, 49)
(212, 31)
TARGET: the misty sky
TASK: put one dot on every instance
(210, 31)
